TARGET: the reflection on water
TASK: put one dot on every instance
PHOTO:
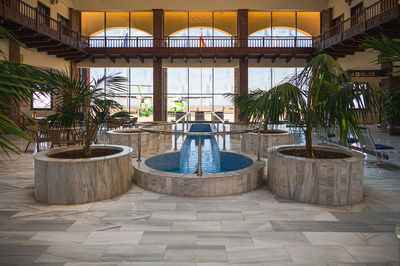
(210, 154)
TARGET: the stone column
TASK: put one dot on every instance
(158, 92)
(243, 72)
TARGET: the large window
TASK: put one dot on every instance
(266, 78)
(137, 99)
(200, 89)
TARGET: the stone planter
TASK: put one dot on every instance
(332, 182)
(249, 142)
(150, 143)
(76, 181)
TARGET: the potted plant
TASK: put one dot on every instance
(254, 107)
(390, 48)
(18, 83)
(87, 173)
(324, 97)
(393, 112)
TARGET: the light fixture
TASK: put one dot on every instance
(54, 2)
(348, 2)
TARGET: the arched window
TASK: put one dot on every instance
(280, 37)
(200, 37)
(122, 37)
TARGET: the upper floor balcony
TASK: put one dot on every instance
(38, 30)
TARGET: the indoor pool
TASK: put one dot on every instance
(212, 159)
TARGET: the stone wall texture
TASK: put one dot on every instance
(331, 182)
(76, 181)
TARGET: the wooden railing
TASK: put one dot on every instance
(30, 17)
(357, 23)
(23, 14)
(197, 41)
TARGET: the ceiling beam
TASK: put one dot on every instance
(126, 58)
(112, 58)
(273, 59)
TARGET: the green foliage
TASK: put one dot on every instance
(76, 96)
(322, 95)
(388, 47)
(393, 107)
(18, 82)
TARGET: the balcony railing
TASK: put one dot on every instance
(27, 16)
(200, 42)
(30, 17)
(358, 23)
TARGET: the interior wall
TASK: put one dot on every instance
(62, 7)
(340, 7)
(365, 60)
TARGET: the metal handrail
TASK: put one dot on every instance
(199, 134)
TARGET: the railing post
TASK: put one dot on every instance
(259, 146)
(199, 170)
(37, 18)
(139, 146)
(176, 137)
(60, 27)
(224, 138)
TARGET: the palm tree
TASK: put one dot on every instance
(388, 47)
(87, 98)
(322, 95)
(18, 82)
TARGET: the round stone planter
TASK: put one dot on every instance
(249, 142)
(150, 143)
(332, 182)
(76, 181)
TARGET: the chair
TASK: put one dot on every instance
(36, 135)
(57, 138)
(380, 151)
(331, 135)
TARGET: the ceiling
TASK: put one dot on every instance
(199, 5)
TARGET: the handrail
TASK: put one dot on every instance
(219, 118)
(177, 121)
(359, 18)
(198, 134)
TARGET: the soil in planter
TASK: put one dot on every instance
(319, 154)
(78, 154)
(273, 132)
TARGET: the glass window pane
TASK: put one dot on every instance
(142, 21)
(41, 101)
(175, 22)
(226, 21)
(259, 78)
(308, 23)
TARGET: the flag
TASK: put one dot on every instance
(202, 43)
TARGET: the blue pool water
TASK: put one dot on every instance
(186, 161)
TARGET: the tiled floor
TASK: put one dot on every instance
(144, 228)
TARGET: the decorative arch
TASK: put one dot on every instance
(302, 32)
(100, 32)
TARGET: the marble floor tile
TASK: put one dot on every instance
(379, 239)
(71, 253)
(196, 226)
(370, 254)
(334, 238)
(319, 254)
(146, 225)
(224, 238)
(173, 215)
(246, 254)
(201, 253)
(168, 238)
(56, 237)
(113, 237)
(247, 226)
(279, 239)
(133, 253)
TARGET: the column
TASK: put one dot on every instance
(159, 113)
(243, 71)
(14, 55)
(326, 20)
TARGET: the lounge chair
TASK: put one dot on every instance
(381, 151)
